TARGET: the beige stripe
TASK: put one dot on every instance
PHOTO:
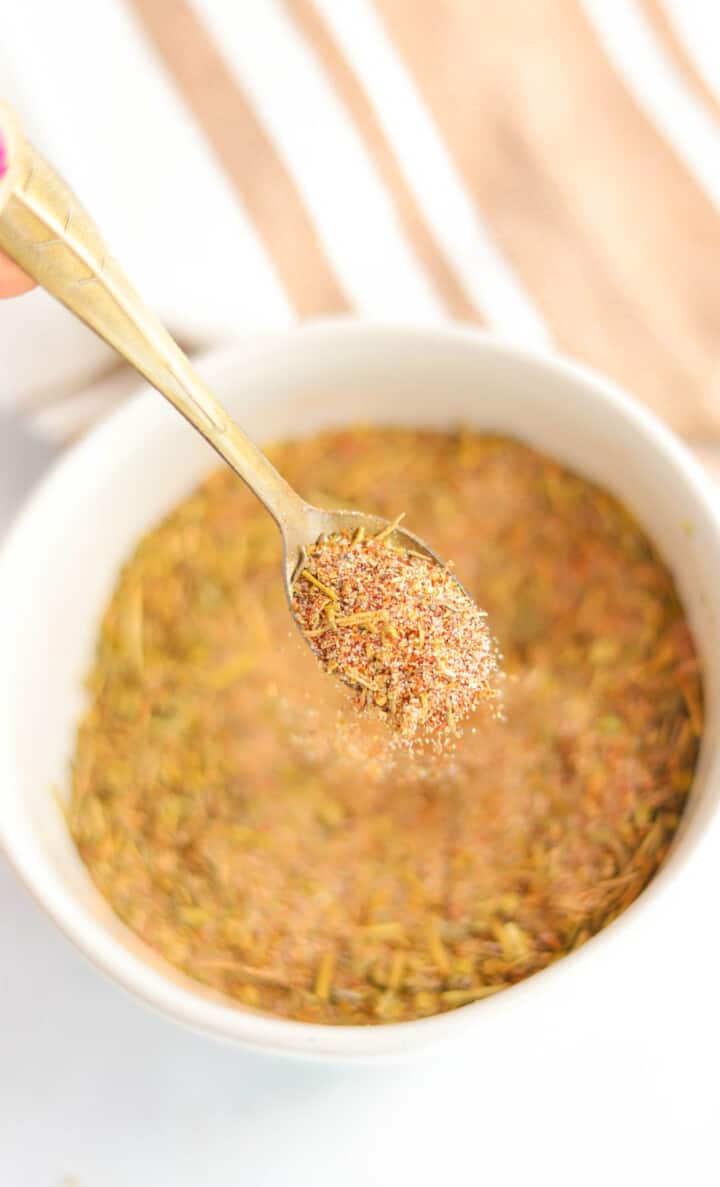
(246, 154)
(678, 55)
(617, 244)
(360, 110)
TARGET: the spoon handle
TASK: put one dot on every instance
(46, 231)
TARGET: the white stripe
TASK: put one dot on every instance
(331, 168)
(438, 189)
(697, 25)
(639, 57)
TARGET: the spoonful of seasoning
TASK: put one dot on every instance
(383, 613)
(379, 609)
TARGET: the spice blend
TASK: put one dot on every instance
(235, 821)
(398, 627)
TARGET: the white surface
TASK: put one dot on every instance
(95, 1086)
(604, 1075)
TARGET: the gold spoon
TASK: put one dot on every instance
(45, 230)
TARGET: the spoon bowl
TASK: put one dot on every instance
(317, 523)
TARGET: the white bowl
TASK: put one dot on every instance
(61, 560)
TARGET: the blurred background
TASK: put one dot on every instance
(548, 169)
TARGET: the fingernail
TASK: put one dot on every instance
(3, 157)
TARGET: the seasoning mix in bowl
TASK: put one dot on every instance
(242, 819)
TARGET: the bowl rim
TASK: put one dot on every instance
(240, 1026)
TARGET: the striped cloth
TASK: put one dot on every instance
(548, 168)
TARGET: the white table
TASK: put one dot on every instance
(607, 1077)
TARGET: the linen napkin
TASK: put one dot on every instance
(550, 170)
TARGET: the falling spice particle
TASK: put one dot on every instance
(250, 827)
(429, 672)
